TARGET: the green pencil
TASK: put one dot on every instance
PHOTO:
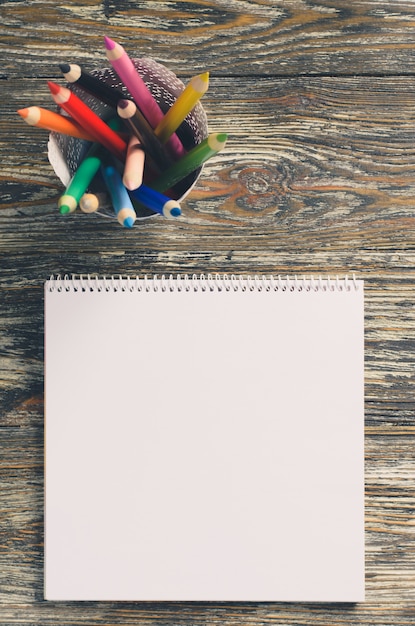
(84, 174)
(190, 162)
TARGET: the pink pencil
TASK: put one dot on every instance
(134, 164)
(139, 91)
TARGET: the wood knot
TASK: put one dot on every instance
(262, 187)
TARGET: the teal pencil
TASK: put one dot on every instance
(190, 162)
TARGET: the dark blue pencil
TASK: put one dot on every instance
(156, 201)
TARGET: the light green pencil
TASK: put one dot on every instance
(190, 162)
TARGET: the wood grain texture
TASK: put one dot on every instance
(230, 36)
(318, 98)
(310, 163)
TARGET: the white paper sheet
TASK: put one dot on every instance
(204, 446)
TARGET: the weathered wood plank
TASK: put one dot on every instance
(310, 165)
(317, 178)
(196, 614)
(250, 37)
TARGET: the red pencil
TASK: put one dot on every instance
(89, 120)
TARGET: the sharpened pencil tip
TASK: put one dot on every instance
(64, 209)
(109, 43)
(54, 88)
(129, 222)
(126, 108)
(23, 112)
(64, 68)
(200, 83)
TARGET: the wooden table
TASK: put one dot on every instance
(317, 177)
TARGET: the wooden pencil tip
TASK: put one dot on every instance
(201, 82)
(126, 108)
(217, 141)
(89, 203)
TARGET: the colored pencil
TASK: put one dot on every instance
(121, 201)
(156, 201)
(152, 145)
(81, 180)
(134, 164)
(139, 91)
(182, 106)
(190, 162)
(49, 120)
(89, 202)
(88, 120)
(84, 174)
(92, 84)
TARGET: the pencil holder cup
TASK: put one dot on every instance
(65, 153)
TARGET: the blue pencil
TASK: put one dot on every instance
(121, 201)
(156, 201)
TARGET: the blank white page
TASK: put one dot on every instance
(204, 445)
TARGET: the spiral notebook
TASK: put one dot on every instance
(204, 439)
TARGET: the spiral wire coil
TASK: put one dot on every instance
(198, 282)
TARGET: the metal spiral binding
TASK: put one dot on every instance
(198, 282)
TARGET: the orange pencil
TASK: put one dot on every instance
(42, 118)
(89, 120)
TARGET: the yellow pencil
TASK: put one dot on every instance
(182, 106)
